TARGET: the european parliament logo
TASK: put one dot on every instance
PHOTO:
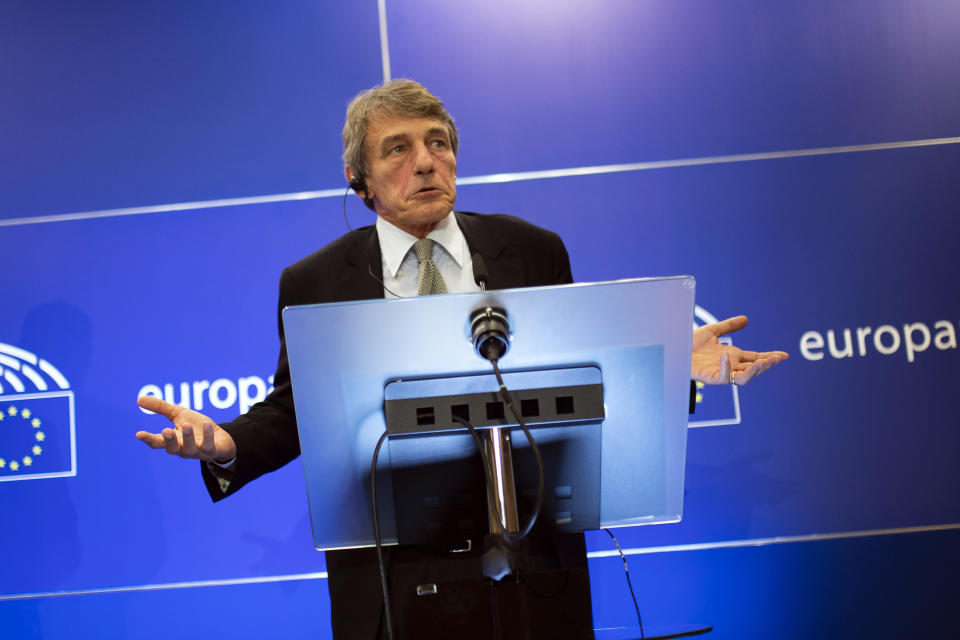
(37, 418)
(716, 404)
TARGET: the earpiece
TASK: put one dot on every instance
(357, 183)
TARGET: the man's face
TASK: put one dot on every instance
(413, 172)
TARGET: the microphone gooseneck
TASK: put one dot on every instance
(480, 274)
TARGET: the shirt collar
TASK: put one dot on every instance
(395, 243)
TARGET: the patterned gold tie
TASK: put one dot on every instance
(429, 280)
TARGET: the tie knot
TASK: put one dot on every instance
(423, 249)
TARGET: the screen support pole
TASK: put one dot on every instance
(502, 498)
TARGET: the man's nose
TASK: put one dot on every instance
(423, 159)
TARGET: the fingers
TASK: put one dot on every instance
(189, 448)
(193, 449)
(755, 368)
(765, 355)
(747, 356)
(207, 449)
(752, 356)
(170, 441)
(744, 376)
(744, 369)
(182, 441)
(152, 440)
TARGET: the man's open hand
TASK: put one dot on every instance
(193, 435)
(716, 363)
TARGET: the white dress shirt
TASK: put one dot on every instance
(450, 253)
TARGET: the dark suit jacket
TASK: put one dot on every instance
(517, 254)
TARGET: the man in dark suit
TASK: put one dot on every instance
(517, 253)
(400, 147)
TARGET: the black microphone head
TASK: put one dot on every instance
(490, 330)
(480, 274)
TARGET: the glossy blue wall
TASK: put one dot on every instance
(799, 158)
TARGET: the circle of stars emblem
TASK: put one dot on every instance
(25, 416)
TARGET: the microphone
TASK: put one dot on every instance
(480, 274)
(489, 326)
(490, 331)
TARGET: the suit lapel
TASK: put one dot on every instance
(355, 282)
(504, 262)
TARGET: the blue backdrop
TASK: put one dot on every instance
(800, 158)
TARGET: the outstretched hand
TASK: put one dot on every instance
(193, 434)
(717, 363)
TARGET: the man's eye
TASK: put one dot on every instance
(397, 149)
(439, 143)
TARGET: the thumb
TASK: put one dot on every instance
(152, 403)
(730, 325)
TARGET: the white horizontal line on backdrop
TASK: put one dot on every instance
(495, 178)
(760, 542)
(320, 575)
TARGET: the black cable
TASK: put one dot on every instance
(376, 536)
(369, 268)
(543, 596)
(626, 572)
(345, 194)
(538, 505)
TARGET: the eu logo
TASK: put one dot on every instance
(37, 429)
